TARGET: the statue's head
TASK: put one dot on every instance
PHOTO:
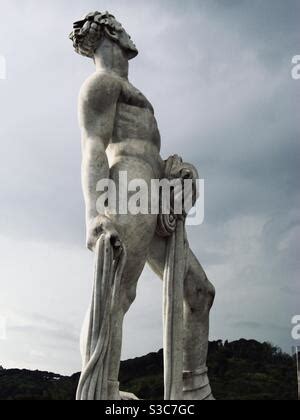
(88, 33)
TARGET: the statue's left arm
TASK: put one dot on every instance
(97, 109)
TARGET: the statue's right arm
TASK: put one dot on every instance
(97, 108)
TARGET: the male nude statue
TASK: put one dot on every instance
(120, 133)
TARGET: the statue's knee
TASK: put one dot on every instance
(199, 294)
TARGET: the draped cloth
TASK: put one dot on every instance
(172, 227)
(93, 384)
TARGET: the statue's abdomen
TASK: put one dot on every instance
(135, 123)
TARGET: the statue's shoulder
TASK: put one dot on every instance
(100, 85)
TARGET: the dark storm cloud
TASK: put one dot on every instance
(218, 74)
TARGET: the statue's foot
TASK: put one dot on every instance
(114, 393)
(127, 396)
(196, 386)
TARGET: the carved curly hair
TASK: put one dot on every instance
(88, 32)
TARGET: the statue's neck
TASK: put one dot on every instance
(110, 58)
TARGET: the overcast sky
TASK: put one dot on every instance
(219, 76)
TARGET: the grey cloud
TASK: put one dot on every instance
(46, 328)
(52, 336)
(218, 74)
(248, 325)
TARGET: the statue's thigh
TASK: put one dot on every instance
(136, 233)
(157, 255)
(137, 227)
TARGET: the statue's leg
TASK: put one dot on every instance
(136, 233)
(135, 262)
(199, 297)
(130, 279)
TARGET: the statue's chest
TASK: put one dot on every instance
(132, 96)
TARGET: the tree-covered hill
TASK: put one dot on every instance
(241, 370)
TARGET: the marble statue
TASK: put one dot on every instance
(120, 135)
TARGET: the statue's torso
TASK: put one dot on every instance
(135, 131)
(135, 118)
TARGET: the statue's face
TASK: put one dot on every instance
(89, 31)
(127, 44)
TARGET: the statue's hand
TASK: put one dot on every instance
(102, 225)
